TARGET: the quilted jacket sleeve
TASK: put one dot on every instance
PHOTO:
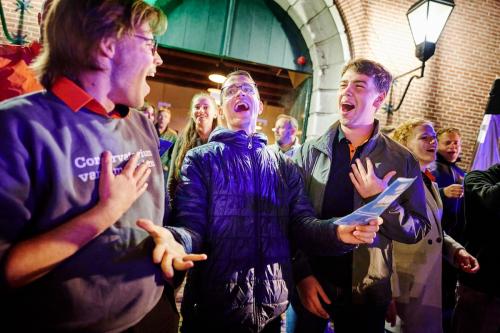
(191, 205)
(308, 233)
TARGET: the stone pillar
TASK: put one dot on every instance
(325, 36)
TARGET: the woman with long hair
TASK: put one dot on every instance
(202, 121)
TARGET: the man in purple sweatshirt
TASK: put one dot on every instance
(77, 169)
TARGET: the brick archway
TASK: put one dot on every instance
(323, 30)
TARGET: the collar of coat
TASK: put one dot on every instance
(441, 159)
(325, 142)
(238, 138)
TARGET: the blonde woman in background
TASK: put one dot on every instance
(416, 281)
(202, 121)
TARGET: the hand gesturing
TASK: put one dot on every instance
(366, 181)
(168, 252)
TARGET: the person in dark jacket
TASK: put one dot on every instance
(240, 203)
(354, 151)
(450, 177)
(478, 295)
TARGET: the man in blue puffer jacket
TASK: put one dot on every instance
(241, 203)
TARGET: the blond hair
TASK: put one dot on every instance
(448, 130)
(402, 133)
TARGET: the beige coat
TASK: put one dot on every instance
(416, 281)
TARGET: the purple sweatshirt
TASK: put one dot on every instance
(49, 170)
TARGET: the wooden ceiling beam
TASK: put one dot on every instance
(173, 71)
(202, 70)
(204, 84)
(192, 70)
(229, 65)
(269, 98)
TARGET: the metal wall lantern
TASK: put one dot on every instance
(427, 19)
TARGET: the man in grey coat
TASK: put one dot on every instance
(349, 165)
(285, 133)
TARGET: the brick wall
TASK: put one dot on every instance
(30, 29)
(457, 78)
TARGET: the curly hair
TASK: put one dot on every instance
(402, 133)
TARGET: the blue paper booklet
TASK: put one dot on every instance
(164, 146)
(376, 207)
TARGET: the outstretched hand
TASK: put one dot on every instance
(366, 181)
(359, 234)
(168, 252)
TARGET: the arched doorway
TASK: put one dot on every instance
(322, 27)
(265, 37)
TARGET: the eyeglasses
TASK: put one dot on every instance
(153, 41)
(247, 88)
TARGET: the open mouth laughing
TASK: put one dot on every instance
(241, 106)
(346, 107)
(432, 151)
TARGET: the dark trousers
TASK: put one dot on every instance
(449, 285)
(197, 326)
(163, 318)
(273, 326)
(476, 312)
(346, 316)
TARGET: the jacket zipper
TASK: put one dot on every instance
(258, 231)
(250, 143)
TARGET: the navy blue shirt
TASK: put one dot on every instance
(338, 202)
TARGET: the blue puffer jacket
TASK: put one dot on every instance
(241, 203)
